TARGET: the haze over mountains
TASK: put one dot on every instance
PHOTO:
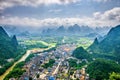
(75, 30)
(60, 39)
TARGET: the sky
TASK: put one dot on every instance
(44, 13)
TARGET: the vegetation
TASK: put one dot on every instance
(84, 42)
(107, 50)
(9, 49)
(110, 45)
(9, 64)
(8, 45)
(16, 72)
(72, 62)
(94, 45)
(3, 69)
(81, 53)
(100, 69)
(35, 44)
(14, 41)
(49, 64)
(76, 64)
(114, 76)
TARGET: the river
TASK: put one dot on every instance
(28, 52)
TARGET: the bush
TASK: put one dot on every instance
(16, 72)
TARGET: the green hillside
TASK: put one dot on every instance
(110, 45)
(9, 49)
(81, 53)
(100, 69)
(8, 45)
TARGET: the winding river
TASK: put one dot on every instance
(28, 52)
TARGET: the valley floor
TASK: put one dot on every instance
(38, 69)
(28, 52)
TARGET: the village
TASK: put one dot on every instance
(53, 65)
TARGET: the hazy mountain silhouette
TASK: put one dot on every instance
(109, 44)
(8, 46)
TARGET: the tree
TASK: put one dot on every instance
(114, 76)
(81, 53)
(37, 75)
(100, 69)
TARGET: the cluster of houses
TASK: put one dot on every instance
(59, 70)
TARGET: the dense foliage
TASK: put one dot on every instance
(30, 44)
(109, 45)
(73, 63)
(100, 69)
(49, 64)
(81, 53)
(9, 49)
(7, 46)
(3, 69)
(9, 64)
(16, 72)
(114, 76)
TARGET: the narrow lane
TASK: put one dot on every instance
(57, 68)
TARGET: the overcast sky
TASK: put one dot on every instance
(39, 13)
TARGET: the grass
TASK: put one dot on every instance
(35, 42)
(84, 42)
(31, 44)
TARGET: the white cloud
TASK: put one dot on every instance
(34, 3)
(108, 18)
(97, 15)
(111, 15)
(55, 10)
(100, 0)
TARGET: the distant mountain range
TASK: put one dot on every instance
(19, 31)
(74, 30)
(85, 31)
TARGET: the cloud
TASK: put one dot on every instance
(34, 3)
(108, 18)
(100, 0)
(110, 15)
(55, 10)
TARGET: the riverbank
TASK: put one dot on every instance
(28, 52)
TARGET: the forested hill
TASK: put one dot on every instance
(105, 56)
(8, 46)
(110, 44)
(101, 69)
(81, 53)
(3, 34)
